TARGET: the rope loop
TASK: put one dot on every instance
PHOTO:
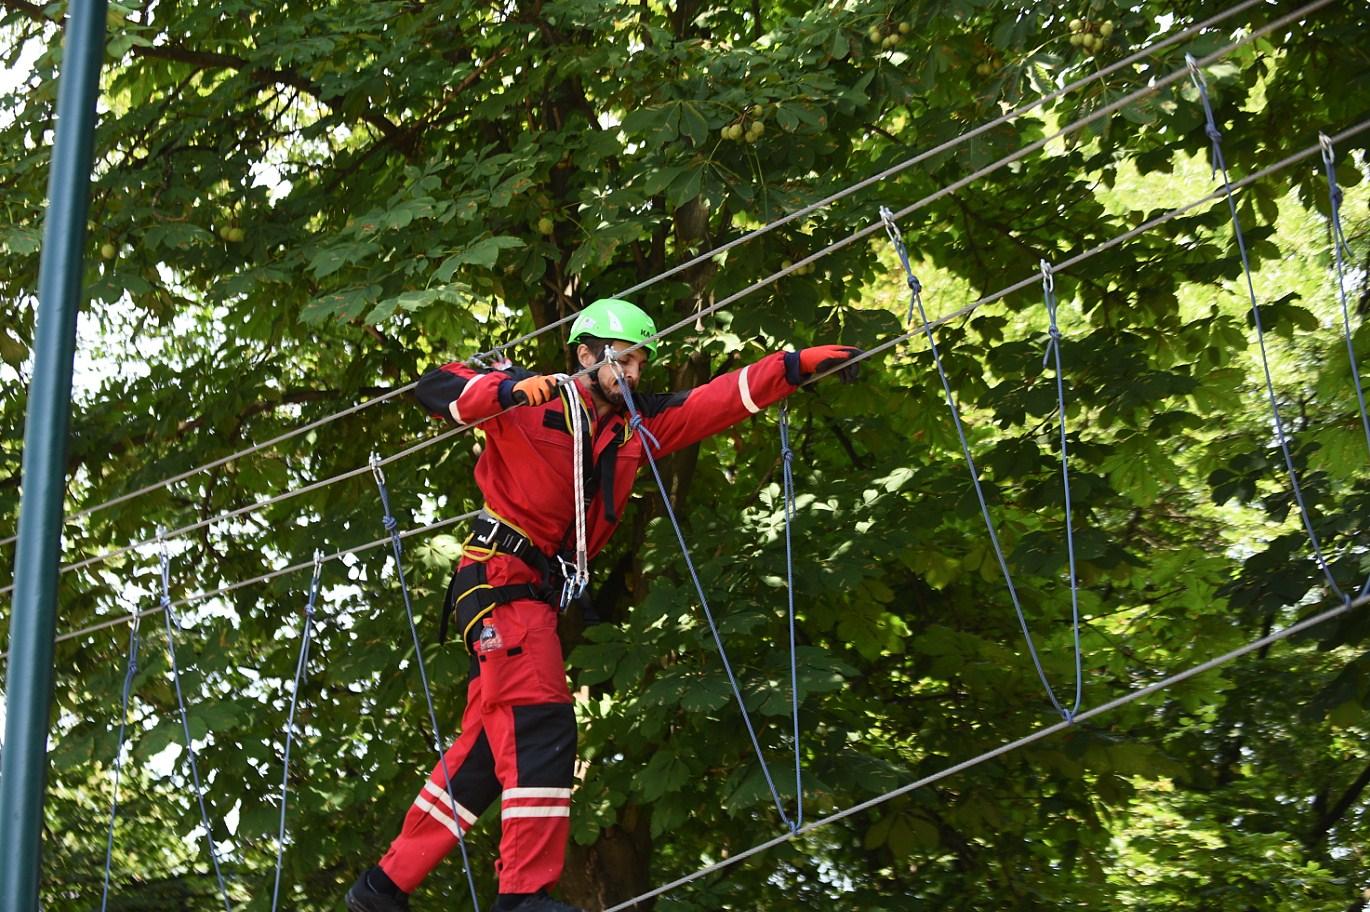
(635, 421)
(917, 302)
(1340, 252)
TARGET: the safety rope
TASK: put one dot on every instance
(130, 671)
(902, 166)
(1339, 249)
(1001, 750)
(172, 625)
(649, 442)
(301, 669)
(1148, 90)
(1035, 279)
(1220, 165)
(870, 352)
(714, 253)
(787, 461)
(266, 577)
(575, 583)
(392, 527)
(916, 303)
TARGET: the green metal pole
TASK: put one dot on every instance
(28, 682)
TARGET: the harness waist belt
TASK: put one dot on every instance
(469, 594)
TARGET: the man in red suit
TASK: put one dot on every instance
(518, 733)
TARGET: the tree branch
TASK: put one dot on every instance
(1338, 810)
(212, 60)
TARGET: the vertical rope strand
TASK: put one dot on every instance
(392, 526)
(301, 669)
(130, 671)
(1339, 250)
(787, 460)
(648, 442)
(1219, 164)
(172, 625)
(1054, 348)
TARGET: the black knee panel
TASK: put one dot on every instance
(545, 740)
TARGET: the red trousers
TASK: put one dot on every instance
(518, 744)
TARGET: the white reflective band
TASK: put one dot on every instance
(470, 385)
(746, 391)
(439, 795)
(424, 805)
(507, 813)
(536, 793)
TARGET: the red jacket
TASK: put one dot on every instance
(525, 469)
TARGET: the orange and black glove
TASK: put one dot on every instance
(535, 390)
(822, 358)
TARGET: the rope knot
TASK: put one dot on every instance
(787, 454)
(1213, 132)
(914, 285)
(390, 523)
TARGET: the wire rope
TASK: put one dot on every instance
(724, 248)
(957, 314)
(870, 229)
(1001, 750)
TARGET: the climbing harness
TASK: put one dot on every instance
(649, 442)
(1053, 345)
(392, 527)
(301, 668)
(1219, 164)
(172, 625)
(470, 596)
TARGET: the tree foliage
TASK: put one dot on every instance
(300, 206)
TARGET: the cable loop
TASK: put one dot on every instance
(1046, 272)
(635, 421)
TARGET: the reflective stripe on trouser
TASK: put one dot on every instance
(518, 743)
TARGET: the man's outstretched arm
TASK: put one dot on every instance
(680, 419)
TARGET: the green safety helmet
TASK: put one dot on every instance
(612, 318)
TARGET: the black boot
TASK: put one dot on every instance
(375, 892)
(541, 902)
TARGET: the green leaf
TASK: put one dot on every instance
(483, 253)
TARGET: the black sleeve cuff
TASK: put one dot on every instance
(506, 393)
(793, 375)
